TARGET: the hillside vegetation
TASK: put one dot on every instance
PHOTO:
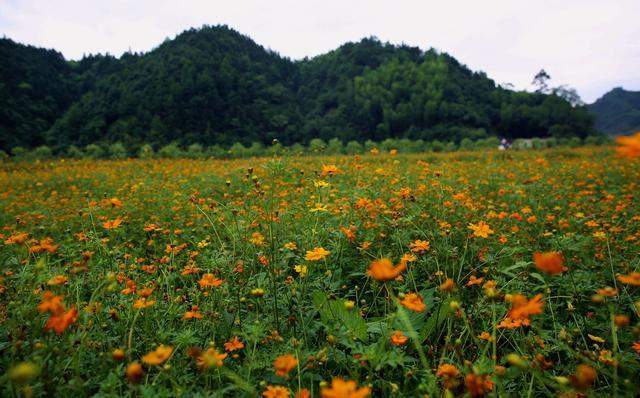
(216, 86)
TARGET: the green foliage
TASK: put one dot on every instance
(117, 151)
(42, 152)
(317, 145)
(146, 152)
(171, 151)
(216, 86)
(195, 151)
(617, 112)
(73, 152)
(93, 151)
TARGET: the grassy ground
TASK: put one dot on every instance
(208, 278)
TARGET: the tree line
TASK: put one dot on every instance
(216, 86)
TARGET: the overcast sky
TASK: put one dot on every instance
(592, 45)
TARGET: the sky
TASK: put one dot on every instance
(591, 45)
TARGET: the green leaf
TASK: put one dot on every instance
(334, 312)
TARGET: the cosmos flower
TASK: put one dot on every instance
(398, 338)
(341, 388)
(383, 269)
(628, 146)
(157, 356)
(209, 358)
(481, 229)
(550, 262)
(276, 392)
(284, 364)
(316, 254)
(413, 302)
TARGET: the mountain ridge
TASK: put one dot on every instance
(214, 85)
(617, 111)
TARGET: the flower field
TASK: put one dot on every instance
(457, 274)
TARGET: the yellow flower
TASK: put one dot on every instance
(481, 229)
(210, 358)
(158, 356)
(302, 270)
(317, 254)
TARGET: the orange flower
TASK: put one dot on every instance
(628, 146)
(478, 385)
(316, 254)
(383, 269)
(158, 356)
(209, 280)
(193, 314)
(276, 392)
(413, 302)
(303, 393)
(134, 372)
(61, 321)
(550, 262)
(209, 358)
(584, 377)
(51, 303)
(521, 310)
(143, 303)
(17, 238)
(234, 344)
(45, 245)
(447, 371)
(117, 354)
(474, 281)
(448, 285)
(481, 229)
(636, 347)
(284, 364)
(57, 280)
(329, 169)
(398, 338)
(112, 224)
(632, 279)
(419, 246)
(344, 389)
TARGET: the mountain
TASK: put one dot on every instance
(214, 85)
(617, 112)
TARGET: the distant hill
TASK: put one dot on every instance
(617, 112)
(216, 86)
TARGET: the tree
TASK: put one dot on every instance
(569, 94)
(540, 82)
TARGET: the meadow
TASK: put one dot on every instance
(513, 273)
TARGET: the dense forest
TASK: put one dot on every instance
(216, 86)
(617, 112)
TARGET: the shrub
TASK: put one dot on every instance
(297, 149)
(195, 151)
(238, 150)
(335, 146)
(42, 152)
(171, 151)
(353, 147)
(437, 146)
(146, 152)
(317, 145)
(216, 152)
(73, 152)
(256, 149)
(19, 153)
(466, 144)
(117, 151)
(93, 151)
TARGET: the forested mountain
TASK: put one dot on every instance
(617, 112)
(216, 86)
